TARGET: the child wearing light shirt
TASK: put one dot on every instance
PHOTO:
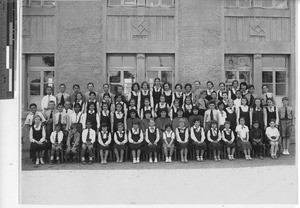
(76, 118)
(47, 98)
(182, 138)
(168, 145)
(104, 139)
(135, 138)
(273, 135)
(29, 121)
(222, 116)
(72, 143)
(88, 139)
(152, 139)
(238, 100)
(61, 117)
(62, 96)
(198, 139)
(243, 138)
(210, 115)
(56, 139)
(120, 139)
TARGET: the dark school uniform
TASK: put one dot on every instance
(134, 97)
(231, 116)
(258, 115)
(187, 110)
(168, 98)
(271, 115)
(161, 107)
(120, 137)
(92, 117)
(105, 137)
(35, 147)
(105, 118)
(135, 136)
(119, 119)
(214, 135)
(174, 112)
(89, 103)
(179, 96)
(143, 97)
(198, 133)
(156, 93)
(152, 135)
(246, 115)
(258, 135)
(182, 134)
(228, 135)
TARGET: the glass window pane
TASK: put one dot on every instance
(114, 2)
(244, 61)
(129, 77)
(280, 62)
(49, 76)
(168, 3)
(244, 3)
(35, 2)
(50, 85)
(49, 3)
(152, 2)
(115, 61)
(280, 89)
(267, 3)
(280, 4)
(129, 61)
(141, 2)
(231, 62)
(257, 3)
(153, 61)
(167, 61)
(270, 87)
(127, 88)
(166, 76)
(41, 60)
(35, 89)
(244, 76)
(267, 77)
(113, 88)
(34, 77)
(267, 61)
(115, 77)
(129, 2)
(280, 77)
(230, 76)
(230, 3)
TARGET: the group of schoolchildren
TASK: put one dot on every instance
(151, 120)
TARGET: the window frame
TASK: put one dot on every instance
(160, 4)
(28, 3)
(256, 4)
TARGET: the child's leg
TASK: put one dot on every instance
(275, 148)
(201, 153)
(37, 155)
(228, 151)
(284, 143)
(150, 155)
(171, 152)
(101, 156)
(138, 152)
(248, 152)
(197, 153)
(232, 151)
(181, 154)
(105, 155)
(185, 153)
(272, 149)
(166, 152)
(215, 153)
(155, 155)
(287, 143)
(42, 155)
(133, 154)
(122, 155)
(52, 152)
(117, 154)
(219, 153)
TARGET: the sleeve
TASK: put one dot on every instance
(219, 136)
(151, 99)
(42, 117)
(277, 116)
(141, 136)
(109, 139)
(31, 139)
(93, 136)
(129, 137)
(208, 137)
(139, 100)
(232, 136)
(171, 113)
(52, 138)
(146, 136)
(186, 139)
(83, 137)
(60, 137)
(100, 139)
(164, 136)
(202, 135)
(83, 118)
(223, 136)
(43, 134)
(98, 120)
(157, 136)
(156, 109)
(177, 135)
(125, 138)
(142, 113)
(193, 137)
(204, 119)
(27, 120)
(237, 116)
(265, 116)
(115, 138)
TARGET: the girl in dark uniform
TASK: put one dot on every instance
(92, 100)
(257, 112)
(120, 140)
(105, 115)
(168, 93)
(187, 108)
(178, 94)
(173, 111)
(270, 112)
(135, 138)
(134, 94)
(161, 105)
(145, 93)
(214, 138)
(231, 114)
(182, 138)
(244, 111)
(118, 117)
(198, 139)
(156, 91)
(228, 140)
(146, 107)
(104, 139)
(152, 138)
(188, 92)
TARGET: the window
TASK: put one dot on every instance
(161, 66)
(238, 67)
(40, 76)
(275, 74)
(121, 71)
(268, 4)
(39, 3)
(142, 3)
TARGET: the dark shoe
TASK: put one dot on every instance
(51, 162)
(83, 162)
(90, 162)
(58, 162)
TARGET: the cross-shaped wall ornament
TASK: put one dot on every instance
(256, 29)
(140, 27)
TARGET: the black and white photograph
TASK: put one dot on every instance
(149, 102)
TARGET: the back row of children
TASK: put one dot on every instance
(113, 109)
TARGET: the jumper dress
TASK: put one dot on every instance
(152, 138)
(228, 137)
(180, 98)
(120, 139)
(214, 146)
(198, 136)
(156, 96)
(182, 138)
(104, 140)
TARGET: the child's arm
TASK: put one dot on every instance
(165, 138)
(232, 136)
(237, 116)
(141, 137)
(129, 137)
(83, 138)
(151, 98)
(93, 137)
(98, 121)
(142, 114)
(247, 136)
(156, 109)
(251, 115)
(277, 117)
(177, 135)
(171, 114)
(204, 120)
(125, 123)
(112, 121)
(68, 140)
(139, 100)
(172, 138)
(125, 138)
(202, 135)
(83, 118)
(52, 138)
(100, 139)
(115, 139)
(146, 136)
(219, 136)
(223, 136)
(31, 139)
(265, 117)
(208, 137)
(193, 137)
(152, 112)
(186, 139)
(109, 139)
(157, 136)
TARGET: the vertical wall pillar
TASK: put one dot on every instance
(140, 67)
(257, 73)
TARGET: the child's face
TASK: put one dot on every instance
(244, 101)
(214, 96)
(209, 86)
(176, 104)
(67, 105)
(265, 89)
(211, 106)
(57, 128)
(49, 91)
(37, 120)
(242, 122)
(188, 101)
(187, 88)
(157, 82)
(33, 109)
(135, 88)
(106, 98)
(120, 128)
(52, 106)
(105, 88)
(225, 96)
(104, 107)
(76, 89)
(285, 102)
(235, 84)
(148, 116)
(179, 113)
(62, 88)
(163, 114)
(255, 125)
(92, 107)
(147, 103)
(92, 97)
(181, 124)
(222, 87)
(60, 108)
(197, 123)
(119, 99)
(169, 128)
(78, 96)
(214, 126)
(162, 99)
(227, 126)
(251, 90)
(272, 124)
(166, 87)
(120, 90)
(243, 87)
(230, 103)
(132, 103)
(76, 109)
(195, 111)
(197, 85)
(178, 88)
(257, 103)
(221, 107)
(104, 128)
(145, 86)
(238, 94)
(91, 87)
(132, 114)
(119, 107)
(135, 126)
(73, 130)
(152, 124)
(88, 125)
(270, 103)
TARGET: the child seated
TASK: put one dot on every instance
(198, 139)
(135, 138)
(120, 139)
(88, 139)
(243, 138)
(56, 139)
(273, 135)
(152, 139)
(256, 138)
(72, 143)
(182, 137)
(168, 145)
(104, 139)
(228, 140)
(214, 137)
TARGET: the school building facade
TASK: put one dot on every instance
(180, 41)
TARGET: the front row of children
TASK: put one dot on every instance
(152, 140)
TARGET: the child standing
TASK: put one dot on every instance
(132, 106)
(173, 111)
(93, 117)
(156, 91)
(46, 99)
(182, 137)
(187, 107)
(286, 122)
(178, 94)
(198, 139)
(209, 86)
(244, 111)
(37, 137)
(168, 145)
(167, 92)
(161, 105)
(92, 100)
(231, 115)
(72, 143)
(228, 140)
(271, 112)
(243, 138)
(222, 116)
(273, 135)
(88, 139)
(134, 94)
(118, 117)
(257, 112)
(145, 108)
(105, 115)
(210, 115)
(152, 139)
(202, 103)
(188, 92)
(104, 139)
(56, 139)
(61, 117)
(135, 138)
(145, 93)
(120, 139)
(214, 138)
(62, 96)
(256, 138)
